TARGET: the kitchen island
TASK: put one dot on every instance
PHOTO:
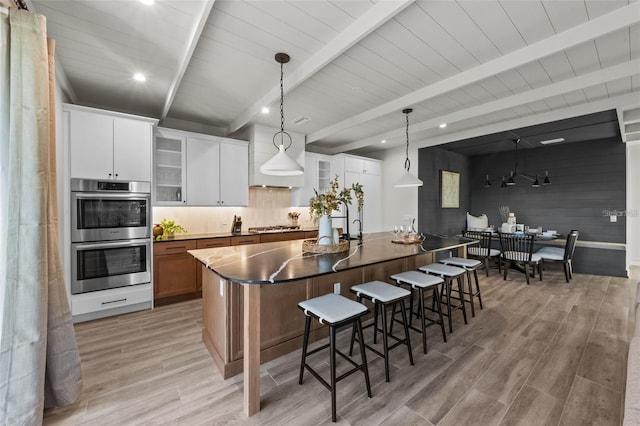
(251, 292)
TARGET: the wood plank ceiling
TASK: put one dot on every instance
(479, 66)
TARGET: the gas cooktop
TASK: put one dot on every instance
(273, 228)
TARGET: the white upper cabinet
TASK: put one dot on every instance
(200, 170)
(317, 175)
(107, 145)
(368, 173)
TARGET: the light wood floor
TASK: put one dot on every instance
(549, 353)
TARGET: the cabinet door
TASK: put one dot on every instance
(132, 149)
(372, 210)
(203, 172)
(353, 164)
(174, 275)
(372, 167)
(234, 174)
(300, 196)
(91, 145)
(170, 168)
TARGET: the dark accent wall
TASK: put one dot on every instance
(588, 179)
(431, 217)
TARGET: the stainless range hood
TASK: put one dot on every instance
(262, 149)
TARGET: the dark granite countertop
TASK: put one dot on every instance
(279, 262)
(181, 237)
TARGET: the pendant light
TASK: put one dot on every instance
(281, 164)
(407, 179)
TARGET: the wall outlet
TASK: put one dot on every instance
(336, 288)
(613, 218)
(222, 288)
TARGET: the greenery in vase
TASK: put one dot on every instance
(170, 227)
(328, 202)
(504, 213)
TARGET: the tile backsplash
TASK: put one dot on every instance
(267, 206)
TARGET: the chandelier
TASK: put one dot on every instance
(510, 179)
(407, 179)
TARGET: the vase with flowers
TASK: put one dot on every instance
(322, 205)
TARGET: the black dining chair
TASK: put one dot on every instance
(555, 254)
(483, 250)
(518, 250)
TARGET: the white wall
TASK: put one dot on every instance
(633, 203)
(399, 205)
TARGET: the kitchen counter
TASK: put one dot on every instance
(250, 295)
(280, 262)
(182, 237)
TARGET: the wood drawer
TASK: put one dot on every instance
(281, 236)
(245, 239)
(310, 234)
(108, 299)
(173, 247)
(213, 242)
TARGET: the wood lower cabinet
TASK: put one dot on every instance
(245, 239)
(281, 236)
(205, 244)
(174, 272)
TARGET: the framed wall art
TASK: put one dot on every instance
(449, 190)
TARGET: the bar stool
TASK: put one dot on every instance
(448, 274)
(335, 311)
(383, 295)
(470, 265)
(421, 282)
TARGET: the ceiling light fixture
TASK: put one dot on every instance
(407, 179)
(509, 180)
(383, 141)
(281, 164)
(550, 141)
(139, 77)
(147, 2)
(265, 110)
(443, 125)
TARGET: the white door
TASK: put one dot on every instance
(234, 174)
(132, 141)
(91, 145)
(203, 172)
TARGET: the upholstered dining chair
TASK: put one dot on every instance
(483, 250)
(518, 250)
(556, 254)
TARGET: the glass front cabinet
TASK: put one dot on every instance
(169, 168)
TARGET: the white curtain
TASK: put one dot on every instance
(39, 361)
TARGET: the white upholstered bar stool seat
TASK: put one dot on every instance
(382, 295)
(471, 266)
(420, 282)
(448, 273)
(335, 311)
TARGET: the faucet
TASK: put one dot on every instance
(359, 229)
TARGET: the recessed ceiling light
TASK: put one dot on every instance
(383, 141)
(265, 110)
(443, 125)
(300, 120)
(147, 2)
(547, 142)
(139, 77)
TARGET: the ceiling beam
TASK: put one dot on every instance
(602, 25)
(615, 72)
(545, 117)
(192, 42)
(359, 29)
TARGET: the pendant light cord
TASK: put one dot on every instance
(281, 98)
(407, 162)
(282, 58)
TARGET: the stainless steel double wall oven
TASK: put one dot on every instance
(110, 234)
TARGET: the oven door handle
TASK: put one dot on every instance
(112, 244)
(121, 196)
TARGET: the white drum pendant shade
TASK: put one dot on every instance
(281, 165)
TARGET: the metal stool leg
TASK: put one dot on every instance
(364, 357)
(406, 329)
(423, 320)
(470, 286)
(475, 274)
(385, 342)
(332, 361)
(439, 307)
(460, 289)
(305, 344)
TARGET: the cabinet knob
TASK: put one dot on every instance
(116, 175)
(222, 202)
(109, 175)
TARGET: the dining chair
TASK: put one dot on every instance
(555, 254)
(483, 250)
(518, 250)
